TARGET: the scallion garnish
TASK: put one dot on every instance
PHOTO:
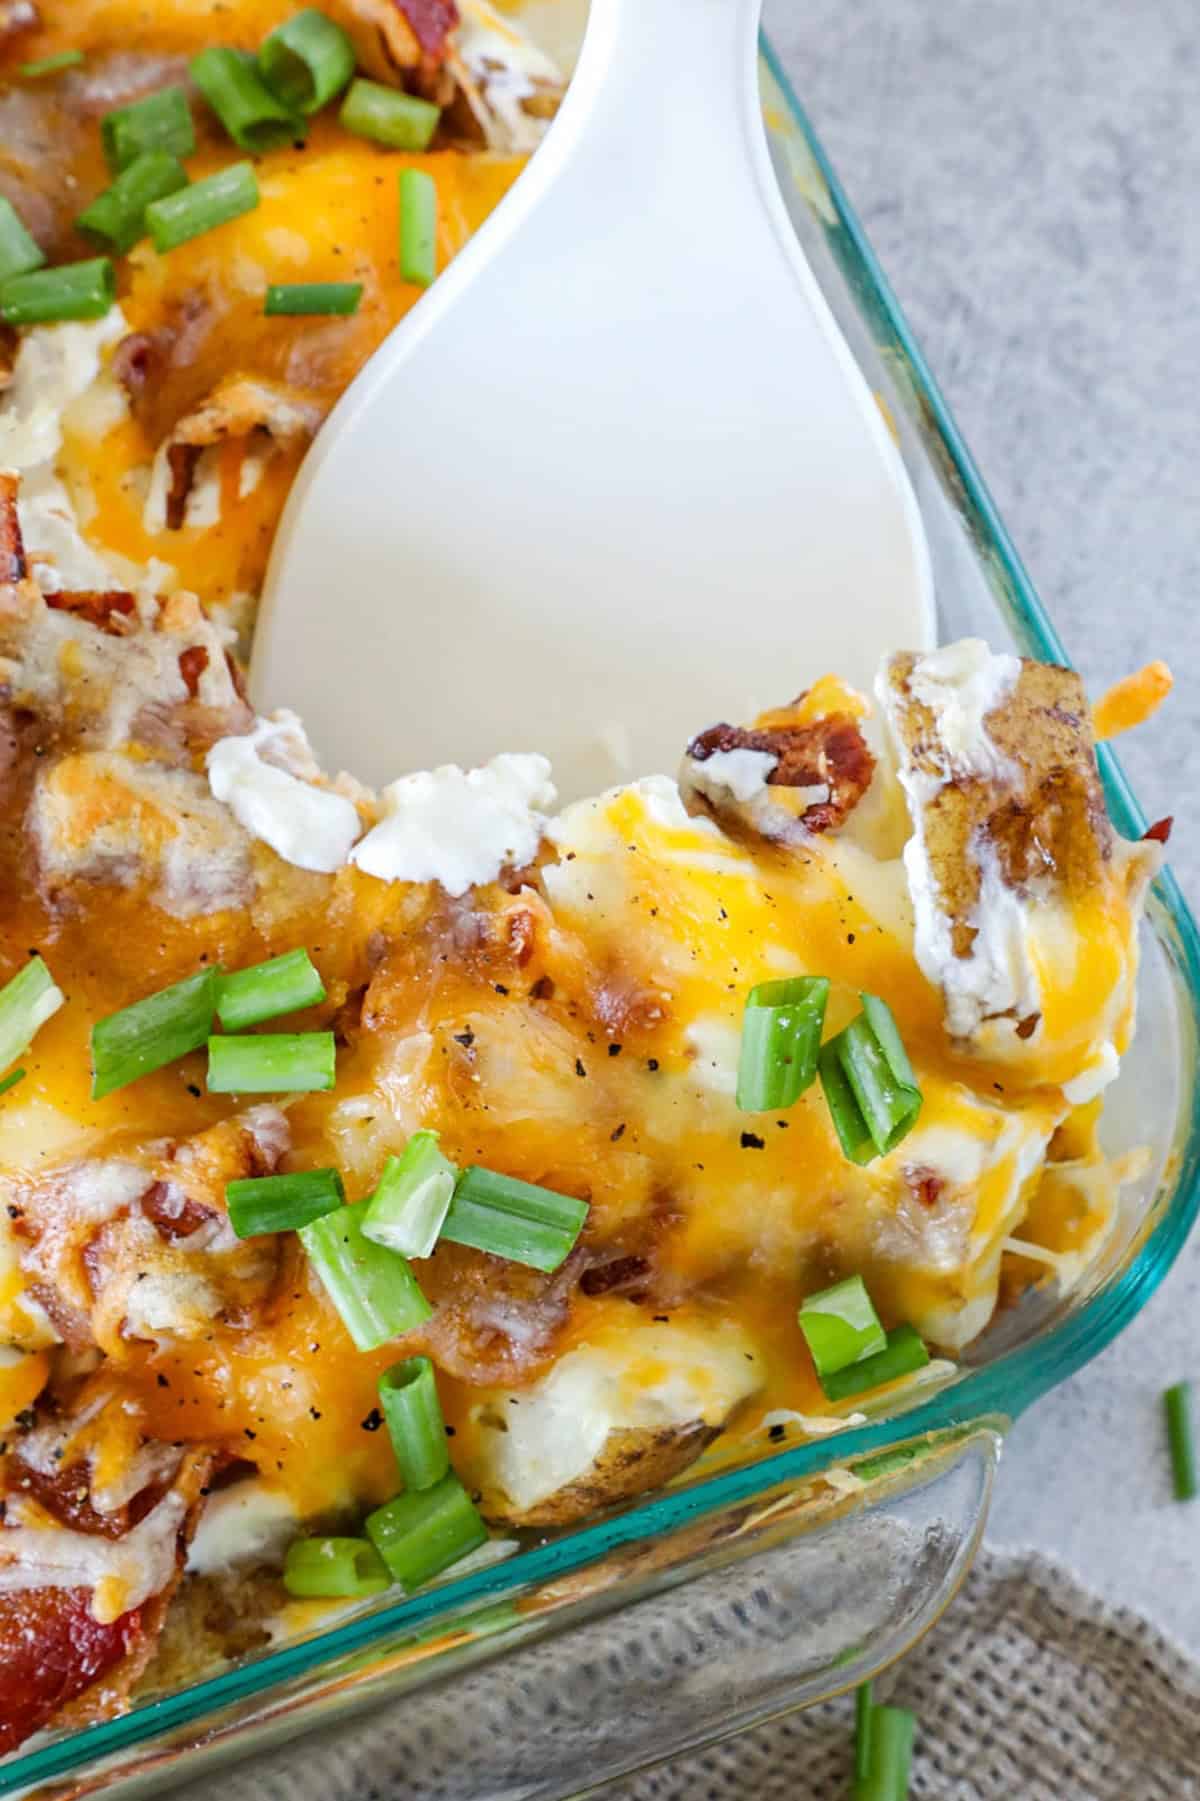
(307, 60)
(418, 227)
(844, 1110)
(890, 1738)
(420, 1535)
(285, 984)
(162, 121)
(272, 1063)
(202, 207)
(388, 116)
(881, 1082)
(375, 1292)
(903, 1354)
(152, 1032)
(513, 1219)
(863, 1708)
(255, 118)
(11, 1080)
(49, 296)
(312, 299)
(26, 1003)
(408, 1392)
(261, 1204)
(316, 1568)
(50, 65)
(781, 1036)
(1178, 1404)
(116, 219)
(841, 1327)
(19, 250)
(410, 1203)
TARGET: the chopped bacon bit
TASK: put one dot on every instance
(431, 22)
(52, 1648)
(623, 1275)
(192, 663)
(830, 752)
(924, 1184)
(1028, 1026)
(108, 610)
(173, 1214)
(12, 550)
(1160, 831)
(182, 460)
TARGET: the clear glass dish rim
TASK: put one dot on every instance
(1004, 1387)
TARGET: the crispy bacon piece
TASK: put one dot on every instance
(61, 1659)
(238, 407)
(12, 549)
(110, 610)
(399, 38)
(52, 1650)
(1160, 831)
(829, 753)
(192, 663)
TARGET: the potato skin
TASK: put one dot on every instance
(632, 1461)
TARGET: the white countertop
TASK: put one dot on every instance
(1028, 175)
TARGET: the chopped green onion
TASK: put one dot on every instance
(117, 218)
(413, 1412)
(513, 1219)
(312, 299)
(26, 1003)
(841, 1327)
(162, 121)
(50, 65)
(878, 1070)
(280, 985)
(10, 1081)
(418, 227)
(419, 1535)
(409, 1206)
(375, 1292)
(261, 1204)
(387, 116)
(890, 1738)
(307, 60)
(903, 1354)
(863, 1709)
(202, 207)
(72, 291)
(152, 1032)
(844, 1110)
(326, 1567)
(781, 1036)
(19, 250)
(253, 116)
(272, 1063)
(1178, 1403)
(869, 1083)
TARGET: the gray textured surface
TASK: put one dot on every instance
(1028, 173)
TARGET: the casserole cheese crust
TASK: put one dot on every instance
(560, 997)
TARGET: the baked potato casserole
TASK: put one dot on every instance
(382, 1168)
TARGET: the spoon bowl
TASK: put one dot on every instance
(617, 475)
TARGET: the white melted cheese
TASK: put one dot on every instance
(460, 827)
(248, 1523)
(740, 774)
(121, 1573)
(506, 68)
(58, 371)
(648, 1376)
(308, 826)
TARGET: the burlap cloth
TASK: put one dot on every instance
(1028, 1689)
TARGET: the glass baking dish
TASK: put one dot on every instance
(800, 1571)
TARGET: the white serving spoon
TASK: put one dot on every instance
(617, 475)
